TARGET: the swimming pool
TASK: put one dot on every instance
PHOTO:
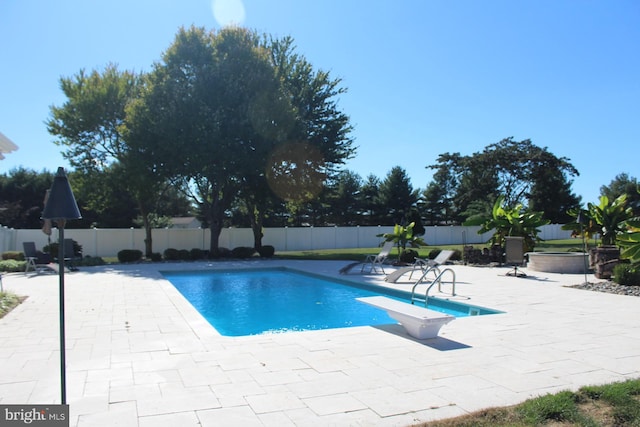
(275, 300)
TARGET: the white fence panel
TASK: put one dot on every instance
(554, 232)
(108, 242)
(238, 237)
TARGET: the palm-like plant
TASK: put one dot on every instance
(610, 217)
(403, 236)
(630, 241)
(607, 218)
(511, 221)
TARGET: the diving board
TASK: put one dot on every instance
(419, 322)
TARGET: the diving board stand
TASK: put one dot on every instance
(419, 322)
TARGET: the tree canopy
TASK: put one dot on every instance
(227, 114)
(519, 171)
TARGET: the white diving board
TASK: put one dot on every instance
(419, 322)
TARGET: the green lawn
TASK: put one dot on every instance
(616, 404)
(356, 254)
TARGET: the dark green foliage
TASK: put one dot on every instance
(89, 261)
(220, 252)
(457, 255)
(624, 184)
(184, 255)
(397, 196)
(266, 251)
(171, 254)
(197, 253)
(129, 255)
(626, 274)
(22, 197)
(156, 257)
(408, 256)
(52, 249)
(434, 253)
(242, 252)
(16, 255)
(345, 199)
(523, 172)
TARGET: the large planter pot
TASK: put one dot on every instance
(558, 262)
(603, 259)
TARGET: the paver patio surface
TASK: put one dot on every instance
(138, 354)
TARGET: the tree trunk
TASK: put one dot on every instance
(216, 219)
(148, 240)
(255, 217)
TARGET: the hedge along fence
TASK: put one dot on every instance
(107, 242)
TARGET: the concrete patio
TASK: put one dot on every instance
(138, 354)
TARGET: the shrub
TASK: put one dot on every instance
(197, 254)
(171, 254)
(626, 274)
(52, 249)
(156, 257)
(184, 255)
(266, 251)
(89, 261)
(456, 256)
(15, 255)
(129, 255)
(243, 252)
(408, 256)
(221, 252)
(12, 266)
(433, 253)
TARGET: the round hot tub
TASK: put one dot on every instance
(558, 262)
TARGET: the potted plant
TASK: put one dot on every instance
(606, 219)
(403, 236)
(510, 221)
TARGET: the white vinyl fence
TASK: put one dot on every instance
(108, 242)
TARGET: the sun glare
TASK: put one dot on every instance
(228, 12)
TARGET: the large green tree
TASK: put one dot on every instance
(345, 199)
(205, 118)
(88, 124)
(373, 210)
(22, 194)
(239, 120)
(91, 126)
(623, 183)
(398, 195)
(519, 171)
(437, 202)
(316, 141)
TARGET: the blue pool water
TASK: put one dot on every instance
(257, 301)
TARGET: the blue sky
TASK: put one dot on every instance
(423, 77)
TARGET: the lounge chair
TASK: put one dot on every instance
(36, 260)
(375, 261)
(514, 255)
(424, 265)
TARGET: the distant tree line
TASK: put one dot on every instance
(346, 199)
